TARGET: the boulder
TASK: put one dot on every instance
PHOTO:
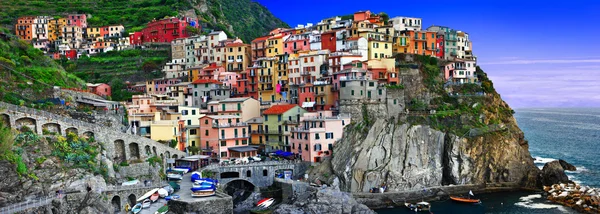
(567, 166)
(553, 173)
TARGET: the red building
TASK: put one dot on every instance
(70, 54)
(23, 27)
(100, 89)
(328, 40)
(135, 38)
(79, 20)
(258, 47)
(440, 46)
(166, 30)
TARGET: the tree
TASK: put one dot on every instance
(192, 30)
(385, 17)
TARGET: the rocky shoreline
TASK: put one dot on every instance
(581, 198)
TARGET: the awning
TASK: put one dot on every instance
(308, 104)
(242, 149)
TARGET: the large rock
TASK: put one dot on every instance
(554, 173)
(567, 166)
(327, 200)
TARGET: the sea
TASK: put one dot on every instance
(572, 135)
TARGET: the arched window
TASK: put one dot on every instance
(265, 173)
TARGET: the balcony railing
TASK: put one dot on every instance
(227, 125)
(233, 137)
(347, 78)
(220, 87)
(272, 132)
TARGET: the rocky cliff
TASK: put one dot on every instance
(440, 134)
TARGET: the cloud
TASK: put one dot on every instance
(540, 61)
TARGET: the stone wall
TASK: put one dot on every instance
(139, 170)
(387, 199)
(257, 170)
(72, 95)
(220, 204)
(391, 103)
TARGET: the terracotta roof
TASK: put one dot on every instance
(204, 81)
(279, 109)
(260, 38)
(235, 45)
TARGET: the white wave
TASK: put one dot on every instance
(542, 160)
(527, 202)
(580, 169)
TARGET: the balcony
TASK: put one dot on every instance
(334, 89)
(252, 83)
(239, 60)
(349, 78)
(228, 125)
(260, 131)
(264, 81)
(420, 38)
(290, 122)
(274, 132)
(252, 74)
(320, 94)
(263, 74)
(220, 87)
(233, 137)
(305, 73)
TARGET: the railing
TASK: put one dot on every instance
(272, 131)
(346, 78)
(135, 187)
(233, 137)
(225, 125)
(19, 207)
(261, 163)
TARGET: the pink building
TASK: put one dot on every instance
(79, 20)
(100, 89)
(297, 42)
(314, 137)
(226, 135)
(228, 78)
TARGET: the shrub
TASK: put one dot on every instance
(154, 160)
(124, 163)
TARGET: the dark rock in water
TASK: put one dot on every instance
(554, 173)
(567, 166)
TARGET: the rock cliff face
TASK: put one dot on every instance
(441, 135)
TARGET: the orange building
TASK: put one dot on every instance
(367, 15)
(23, 27)
(416, 42)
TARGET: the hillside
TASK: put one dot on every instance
(436, 135)
(26, 74)
(243, 18)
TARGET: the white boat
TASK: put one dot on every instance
(136, 209)
(129, 183)
(181, 170)
(265, 203)
(418, 207)
(174, 175)
(147, 195)
(203, 193)
(163, 193)
(146, 203)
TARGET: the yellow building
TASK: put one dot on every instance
(163, 130)
(267, 79)
(256, 132)
(237, 56)
(55, 27)
(275, 45)
(379, 47)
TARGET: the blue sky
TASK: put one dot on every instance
(537, 53)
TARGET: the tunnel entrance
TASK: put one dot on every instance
(239, 190)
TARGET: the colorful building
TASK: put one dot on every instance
(206, 90)
(160, 86)
(237, 56)
(316, 134)
(245, 107)
(226, 135)
(259, 46)
(79, 20)
(278, 122)
(24, 27)
(168, 29)
(100, 89)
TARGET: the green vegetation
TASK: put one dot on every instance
(76, 151)
(248, 19)
(26, 74)
(154, 160)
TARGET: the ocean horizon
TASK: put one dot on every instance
(570, 134)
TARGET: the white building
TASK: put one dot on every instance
(406, 23)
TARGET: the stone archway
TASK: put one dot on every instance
(147, 150)
(134, 151)
(167, 154)
(5, 119)
(51, 128)
(120, 155)
(71, 130)
(131, 199)
(239, 190)
(88, 134)
(175, 156)
(116, 203)
(26, 122)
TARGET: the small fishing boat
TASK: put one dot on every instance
(172, 197)
(162, 210)
(146, 203)
(154, 197)
(137, 208)
(265, 203)
(418, 207)
(465, 200)
(174, 175)
(174, 185)
(203, 184)
(147, 195)
(163, 193)
(203, 193)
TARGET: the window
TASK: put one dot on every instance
(189, 122)
(205, 121)
(371, 84)
(193, 112)
(223, 154)
(266, 117)
(278, 117)
(223, 107)
(317, 136)
(352, 92)
(192, 131)
(223, 143)
(265, 173)
(237, 142)
(239, 106)
(206, 132)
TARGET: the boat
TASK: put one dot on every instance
(182, 169)
(148, 194)
(418, 207)
(146, 203)
(174, 185)
(154, 197)
(203, 184)
(265, 203)
(172, 197)
(163, 193)
(203, 193)
(162, 210)
(169, 189)
(130, 183)
(464, 200)
(137, 208)
(174, 175)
